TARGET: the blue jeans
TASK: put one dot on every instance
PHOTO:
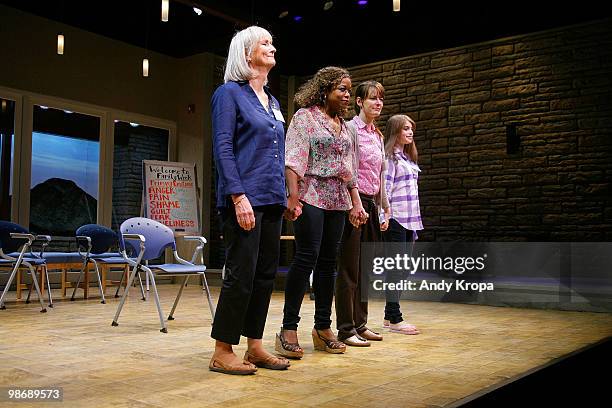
(395, 233)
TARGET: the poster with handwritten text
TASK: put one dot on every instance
(170, 195)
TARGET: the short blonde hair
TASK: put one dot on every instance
(242, 45)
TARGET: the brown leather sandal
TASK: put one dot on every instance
(270, 362)
(219, 366)
(286, 349)
(333, 346)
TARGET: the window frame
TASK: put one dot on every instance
(22, 163)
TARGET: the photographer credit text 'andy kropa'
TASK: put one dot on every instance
(404, 263)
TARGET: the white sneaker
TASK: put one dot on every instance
(356, 341)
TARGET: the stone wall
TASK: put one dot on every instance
(131, 148)
(550, 92)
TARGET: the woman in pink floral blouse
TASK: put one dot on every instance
(319, 169)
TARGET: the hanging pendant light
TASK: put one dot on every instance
(60, 44)
(145, 67)
(165, 10)
(396, 5)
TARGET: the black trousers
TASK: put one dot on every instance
(351, 285)
(251, 262)
(396, 233)
(317, 236)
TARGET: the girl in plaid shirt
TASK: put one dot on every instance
(403, 193)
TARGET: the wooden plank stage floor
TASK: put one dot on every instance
(462, 350)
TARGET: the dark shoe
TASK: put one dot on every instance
(271, 362)
(356, 341)
(236, 369)
(286, 349)
(370, 335)
(321, 343)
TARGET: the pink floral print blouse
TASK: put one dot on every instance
(322, 159)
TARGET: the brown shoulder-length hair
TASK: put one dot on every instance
(363, 91)
(316, 89)
(395, 124)
(366, 89)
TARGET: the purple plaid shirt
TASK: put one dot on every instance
(403, 192)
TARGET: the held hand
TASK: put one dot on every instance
(297, 211)
(294, 208)
(244, 213)
(292, 215)
(385, 224)
(356, 215)
(363, 217)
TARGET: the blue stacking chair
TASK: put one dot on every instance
(15, 244)
(95, 243)
(149, 239)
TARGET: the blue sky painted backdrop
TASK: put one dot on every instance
(67, 158)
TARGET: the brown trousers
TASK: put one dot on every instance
(351, 290)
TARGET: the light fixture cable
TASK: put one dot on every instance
(60, 36)
(145, 60)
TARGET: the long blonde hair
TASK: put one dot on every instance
(394, 126)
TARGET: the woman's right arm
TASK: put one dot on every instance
(293, 201)
(389, 178)
(297, 150)
(224, 127)
(357, 214)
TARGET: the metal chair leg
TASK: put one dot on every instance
(120, 282)
(99, 281)
(48, 286)
(79, 280)
(8, 285)
(208, 295)
(46, 276)
(142, 291)
(159, 310)
(178, 296)
(124, 296)
(27, 301)
(35, 282)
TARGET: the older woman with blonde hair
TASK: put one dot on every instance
(249, 150)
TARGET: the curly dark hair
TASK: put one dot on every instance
(314, 91)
